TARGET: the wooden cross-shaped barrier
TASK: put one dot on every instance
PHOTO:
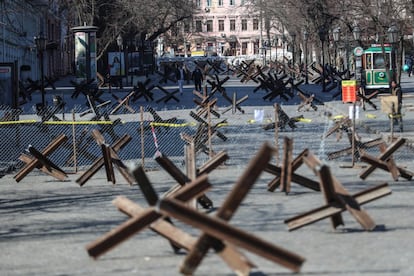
(205, 105)
(84, 87)
(247, 71)
(143, 89)
(94, 109)
(130, 227)
(181, 178)
(217, 233)
(50, 81)
(284, 120)
(200, 139)
(169, 95)
(213, 129)
(159, 121)
(274, 85)
(109, 157)
(235, 104)
(286, 173)
(33, 85)
(164, 227)
(366, 99)
(337, 200)
(98, 114)
(307, 102)
(40, 160)
(123, 102)
(215, 65)
(342, 125)
(357, 147)
(386, 162)
(225, 213)
(217, 85)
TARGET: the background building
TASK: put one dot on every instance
(20, 22)
(225, 28)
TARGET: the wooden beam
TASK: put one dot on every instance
(136, 224)
(220, 229)
(383, 156)
(35, 162)
(329, 210)
(229, 207)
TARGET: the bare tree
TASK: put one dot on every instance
(145, 19)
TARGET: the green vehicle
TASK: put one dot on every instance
(374, 64)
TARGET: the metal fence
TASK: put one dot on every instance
(239, 134)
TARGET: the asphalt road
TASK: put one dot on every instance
(46, 224)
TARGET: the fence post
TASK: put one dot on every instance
(142, 138)
(277, 133)
(75, 159)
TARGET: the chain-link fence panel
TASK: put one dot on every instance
(154, 129)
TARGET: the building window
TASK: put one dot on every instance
(232, 2)
(232, 25)
(255, 24)
(198, 3)
(198, 26)
(221, 25)
(244, 24)
(220, 3)
(209, 24)
(244, 48)
(186, 27)
(256, 47)
(208, 3)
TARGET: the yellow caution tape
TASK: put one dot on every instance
(338, 117)
(394, 116)
(78, 123)
(58, 122)
(18, 122)
(171, 125)
(304, 120)
(222, 124)
(371, 116)
(252, 121)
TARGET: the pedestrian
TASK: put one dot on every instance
(180, 76)
(409, 63)
(197, 78)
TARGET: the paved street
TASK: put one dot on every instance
(46, 224)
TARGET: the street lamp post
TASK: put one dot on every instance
(130, 63)
(306, 37)
(119, 42)
(41, 42)
(293, 49)
(393, 38)
(356, 32)
(335, 35)
(276, 42)
(322, 37)
(283, 48)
